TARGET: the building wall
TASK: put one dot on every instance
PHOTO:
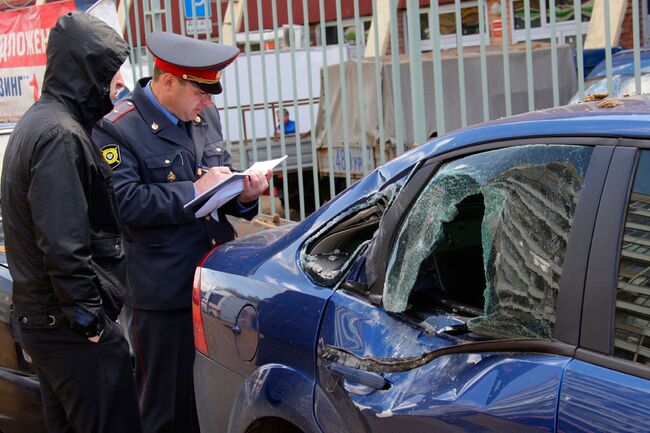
(347, 12)
(627, 39)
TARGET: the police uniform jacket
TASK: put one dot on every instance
(59, 212)
(154, 166)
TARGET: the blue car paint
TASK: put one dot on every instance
(278, 391)
(289, 316)
(278, 307)
(595, 398)
(245, 256)
(481, 392)
(290, 308)
(592, 57)
(622, 64)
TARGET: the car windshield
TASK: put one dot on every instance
(621, 85)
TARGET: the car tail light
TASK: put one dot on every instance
(199, 333)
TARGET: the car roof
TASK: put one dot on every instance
(622, 64)
(630, 117)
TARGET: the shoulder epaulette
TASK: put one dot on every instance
(122, 108)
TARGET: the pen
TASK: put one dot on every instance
(200, 169)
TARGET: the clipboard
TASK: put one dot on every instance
(225, 190)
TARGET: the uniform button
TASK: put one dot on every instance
(207, 218)
(166, 161)
(117, 247)
(214, 242)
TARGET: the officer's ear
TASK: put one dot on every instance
(168, 81)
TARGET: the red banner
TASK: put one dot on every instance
(23, 42)
(24, 33)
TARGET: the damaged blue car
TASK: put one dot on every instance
(496, 279)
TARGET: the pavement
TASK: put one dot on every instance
(259, 223)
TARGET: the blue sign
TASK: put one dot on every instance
(199, 8)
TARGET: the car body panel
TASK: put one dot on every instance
(622, 64)
(212, 402)
(595, 398)
(278, 312)
(297, 320)
(578, 120)
(274, 391)
(623, 80)
(20, 400)
(277, 307)
(492, 392)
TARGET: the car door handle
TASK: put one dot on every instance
(362, 377)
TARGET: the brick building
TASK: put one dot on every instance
(540, 19)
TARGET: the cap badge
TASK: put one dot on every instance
(111, 154)
(171, 177)
(154, 126)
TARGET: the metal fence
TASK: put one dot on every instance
(366, 88)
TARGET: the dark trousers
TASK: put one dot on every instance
(85, 387)
(163, 342)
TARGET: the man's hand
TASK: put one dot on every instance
(211, 177)
(96, 338)
(254, 185)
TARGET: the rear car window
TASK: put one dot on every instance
(486, 240)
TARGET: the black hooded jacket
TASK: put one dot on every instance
(59, 215)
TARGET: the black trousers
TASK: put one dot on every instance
(163, 342)
(85, 387)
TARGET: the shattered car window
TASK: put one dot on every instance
(329, 253)
(487, 238)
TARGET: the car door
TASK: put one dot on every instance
(607, 387)
(461, 315)
(20, 400)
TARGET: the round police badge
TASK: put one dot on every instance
(111, 154)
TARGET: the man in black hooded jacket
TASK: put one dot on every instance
(63, 238)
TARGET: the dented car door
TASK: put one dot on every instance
(458, 315)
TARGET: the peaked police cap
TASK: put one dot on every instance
(199, 62)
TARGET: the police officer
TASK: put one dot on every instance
(63, 238)
(159, 142)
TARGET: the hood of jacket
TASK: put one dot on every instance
(83, 55)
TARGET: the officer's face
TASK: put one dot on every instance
(189, 101)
